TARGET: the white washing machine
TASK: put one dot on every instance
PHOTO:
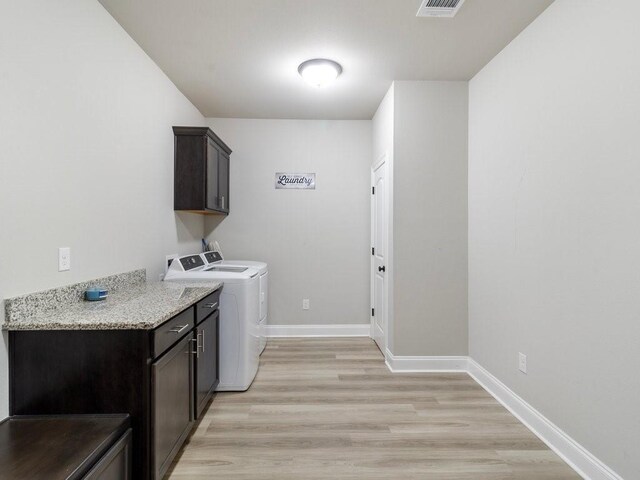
(239, 316)
(215, 258)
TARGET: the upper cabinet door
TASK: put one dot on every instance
(213, 175)
(223, 181)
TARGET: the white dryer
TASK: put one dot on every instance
(239, 316)
(215, 258)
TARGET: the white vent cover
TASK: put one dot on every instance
(439, 8)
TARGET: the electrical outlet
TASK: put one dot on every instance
(522, 362)
(305, 304)
(64, 259)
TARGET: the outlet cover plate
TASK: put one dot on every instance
(522, 362)
(64, 259)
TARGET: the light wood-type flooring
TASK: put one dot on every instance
(329, 408)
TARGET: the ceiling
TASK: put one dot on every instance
(239, 58)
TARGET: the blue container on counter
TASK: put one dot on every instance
(95, 294)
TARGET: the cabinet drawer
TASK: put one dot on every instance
(207, 306)
(171, 331)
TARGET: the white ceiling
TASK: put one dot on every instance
(239, 58)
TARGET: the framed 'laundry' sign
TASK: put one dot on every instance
(296, 181)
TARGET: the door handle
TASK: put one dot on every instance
(382, 269)
(198, 346)
(197, 352)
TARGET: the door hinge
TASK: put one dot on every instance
(373, 312)
(373, 251)
(373, 190)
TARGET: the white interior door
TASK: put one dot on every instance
(379, 225)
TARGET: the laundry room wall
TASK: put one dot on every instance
(430, 218)
(315, 241)
(554, 222)
(87, 152)
(421, 126)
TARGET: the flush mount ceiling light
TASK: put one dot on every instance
(319, 72)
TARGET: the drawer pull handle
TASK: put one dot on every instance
(179, 328)
(210, 305)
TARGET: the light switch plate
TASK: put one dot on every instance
(64, 259)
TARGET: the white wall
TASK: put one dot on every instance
(430, 218)
(87, 151)
(554, 215)
(315, 241)
(382, 125)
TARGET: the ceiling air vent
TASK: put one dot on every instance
(439, 8)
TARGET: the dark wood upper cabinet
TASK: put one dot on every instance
(201, 172)
(223, 186)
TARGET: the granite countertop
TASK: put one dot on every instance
(140, 306)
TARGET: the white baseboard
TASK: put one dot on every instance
(357, 330)
(576, 456)
(398, 364)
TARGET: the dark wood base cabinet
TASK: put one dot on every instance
(206, 362)
(115, 464)
(171, 404)
(66, 447)
(156, 376)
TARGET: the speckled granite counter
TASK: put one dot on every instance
(133, 304)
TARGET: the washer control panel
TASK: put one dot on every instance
(212, 257)
(190, 262)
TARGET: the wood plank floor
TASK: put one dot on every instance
(330, 409)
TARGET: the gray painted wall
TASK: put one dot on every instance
(554, 212)
(315, 241)
(430, 218)
(87, 152)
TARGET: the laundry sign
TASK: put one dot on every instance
(296, 181)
